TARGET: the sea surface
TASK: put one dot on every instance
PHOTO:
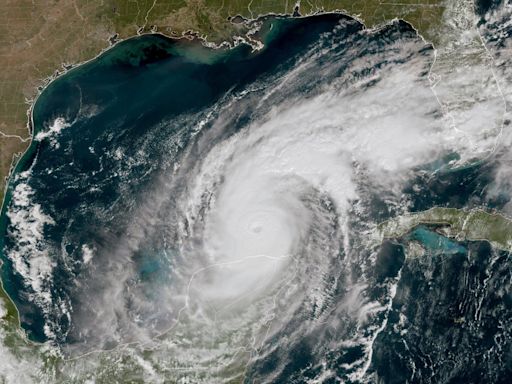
(215, 207)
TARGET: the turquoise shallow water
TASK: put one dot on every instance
(139, 97)
(435, 243)
(96, 212)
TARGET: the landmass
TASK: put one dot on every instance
(41, 39)
(471, 225)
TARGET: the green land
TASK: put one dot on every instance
(471, 225)
(40, 39)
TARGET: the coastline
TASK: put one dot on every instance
(408, 236)
(253, 25)
(253, 28)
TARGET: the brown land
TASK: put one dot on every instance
(38, 37)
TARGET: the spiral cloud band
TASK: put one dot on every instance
(234, 232)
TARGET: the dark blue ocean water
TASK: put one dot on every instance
(143, 98)
(131, 113)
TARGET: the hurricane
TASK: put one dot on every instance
(213, 215)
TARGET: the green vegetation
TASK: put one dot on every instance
(210, 17)
(461, 224)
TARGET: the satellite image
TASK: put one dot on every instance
(256, 191)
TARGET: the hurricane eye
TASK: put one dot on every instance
(315, 200)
